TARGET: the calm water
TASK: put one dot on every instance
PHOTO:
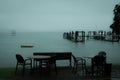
(52, 41)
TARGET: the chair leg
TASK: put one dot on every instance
(55, 68)
(31, 66)
(33, 63)
(84, 69)
(73, 69)
(23, 71)
(76, 66)
(92, 69)
(40, 64)
(16, 68)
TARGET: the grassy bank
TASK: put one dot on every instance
(7, 72)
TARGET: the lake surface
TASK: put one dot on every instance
(52, 42)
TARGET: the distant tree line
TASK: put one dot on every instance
(115, 26)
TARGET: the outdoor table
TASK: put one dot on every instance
(41, 57)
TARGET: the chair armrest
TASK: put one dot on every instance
(28, 59)
(81, 59)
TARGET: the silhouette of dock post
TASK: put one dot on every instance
(76, 36)
(83, 36)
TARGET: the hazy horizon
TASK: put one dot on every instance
(56, 15)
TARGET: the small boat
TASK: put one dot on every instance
(27, 45)
(13, 32)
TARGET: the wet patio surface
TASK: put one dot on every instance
(64, 73)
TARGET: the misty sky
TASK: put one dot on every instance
(56, 15)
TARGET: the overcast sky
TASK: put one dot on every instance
(56, 15)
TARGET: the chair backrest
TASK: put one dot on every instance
(19, 58)
(77, 58)
(74, 58)
(98, 60)
(102, 53)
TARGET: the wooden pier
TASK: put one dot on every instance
(81, 36)
(77, 36)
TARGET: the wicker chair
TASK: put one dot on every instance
(22, 62)
(79, 61)
(98, 65)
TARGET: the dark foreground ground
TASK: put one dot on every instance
(64, 73)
